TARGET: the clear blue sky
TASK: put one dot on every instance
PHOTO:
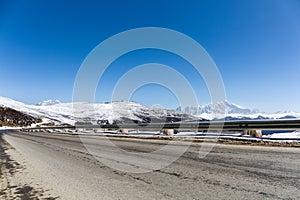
(255, 44)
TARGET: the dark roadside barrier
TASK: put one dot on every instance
(9, 130)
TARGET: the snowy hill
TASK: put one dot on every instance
(115, 112)
(234, 112)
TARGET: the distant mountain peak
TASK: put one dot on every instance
(49, 102)
(219, 107)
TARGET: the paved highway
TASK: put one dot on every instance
(59, 166)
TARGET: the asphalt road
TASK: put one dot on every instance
(62, 166)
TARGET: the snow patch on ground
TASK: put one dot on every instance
(291, 135)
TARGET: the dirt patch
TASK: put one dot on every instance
(259, 143)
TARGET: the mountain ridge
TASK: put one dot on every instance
(84, 112)
(127, 112)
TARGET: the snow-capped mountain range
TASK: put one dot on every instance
(231, 111)
(128, 112)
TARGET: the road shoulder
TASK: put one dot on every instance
(14, 183)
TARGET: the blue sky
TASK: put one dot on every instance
(255, 44)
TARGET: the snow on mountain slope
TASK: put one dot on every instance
(92, 112)
(19, 106)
